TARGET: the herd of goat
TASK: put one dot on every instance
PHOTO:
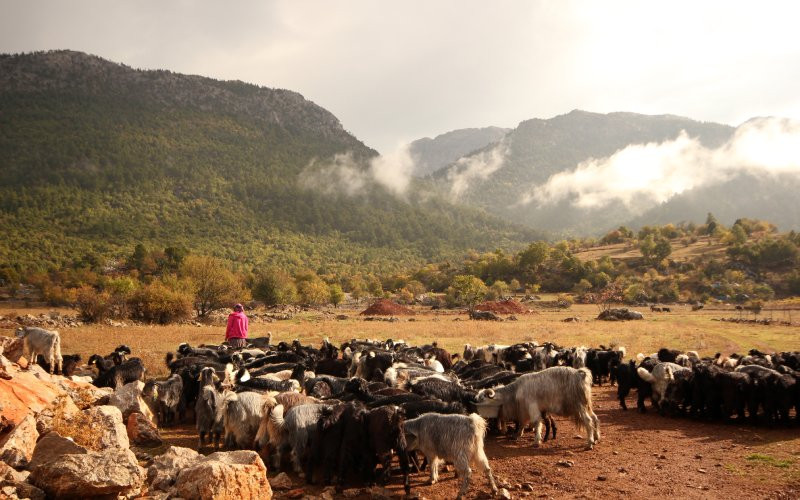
(346, 412)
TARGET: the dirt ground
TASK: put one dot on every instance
(639, 456)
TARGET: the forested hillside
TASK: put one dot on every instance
(538, 149)
(432, 154)
(96, 157)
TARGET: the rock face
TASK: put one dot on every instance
(162, 473)
(11, 348)
(113, 471)
(231, 475)
(16, 448)
(128, 399)
(106, 422)
(141, 431)
(63, 406)
(14, 484)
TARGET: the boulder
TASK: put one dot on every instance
(84, 395)
(141, 431)
(225, 475)
(11, 348)
(106, 423)
(63, 408)
(128, 399)
(16, 447)
(113, 471)
(8, 473)
(25, 394)
(621, 314)
(484, 316)
(281, 482)
(15, 489)
(51, 447)
(162, 473)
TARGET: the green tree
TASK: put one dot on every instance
(738, 234)
(468, 290)
(336, 294)
(314, 292)
(213, 285)
(274, 286)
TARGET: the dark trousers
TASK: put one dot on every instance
(237, 343)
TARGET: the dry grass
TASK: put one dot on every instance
(77, 426)
(681, 329)
(624, 251)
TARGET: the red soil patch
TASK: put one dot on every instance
(385, 307)
(509, 306)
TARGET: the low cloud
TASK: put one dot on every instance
(476, 167)
(343, 174)
(643, 175)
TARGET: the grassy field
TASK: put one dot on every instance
(623, 251)
(680, 329)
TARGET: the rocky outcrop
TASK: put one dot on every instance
(107, 426)
(164, 470)
(141, 431)
(225, 475)
(16, 447)
(128, 399)
(13, 484)
(113, 471)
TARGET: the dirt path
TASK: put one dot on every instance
(639, 456)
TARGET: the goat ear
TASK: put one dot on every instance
(245, 376)
(371, 354)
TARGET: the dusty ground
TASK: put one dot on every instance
(639, 456)
(700, 460)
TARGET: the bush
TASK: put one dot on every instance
(93, 305)
(274, 286)
(158, 303)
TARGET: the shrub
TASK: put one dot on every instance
(93, 305)
(158, 303)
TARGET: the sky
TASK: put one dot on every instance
(395, 71)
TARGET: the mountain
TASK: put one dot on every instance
(430, 155)
(538, 149)
(96, 157)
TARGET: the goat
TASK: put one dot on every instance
(559, 390)
(246, 382)
(659, 378)
(457, 438)
(165, 399)
(241, 416)
(119, 375)
(208, 419)
(40, 341)
(294, 430)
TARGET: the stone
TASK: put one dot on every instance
(296, 493)
(379, 493)
(11, 348)
(128, 399)
(281, 482)
(141, 431)
(601, 478)
(565, 463)
(63, 407)
(225, 475)
(113, 471)
(16, 448)
(16, 489)
(504, 493)
(164, 470)
(106, 422)
(51, 447)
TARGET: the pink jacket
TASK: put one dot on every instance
(237, 326)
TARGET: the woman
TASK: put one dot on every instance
(236, 332)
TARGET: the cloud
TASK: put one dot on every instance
(476, 167)
(643, 175)
(344, 174)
